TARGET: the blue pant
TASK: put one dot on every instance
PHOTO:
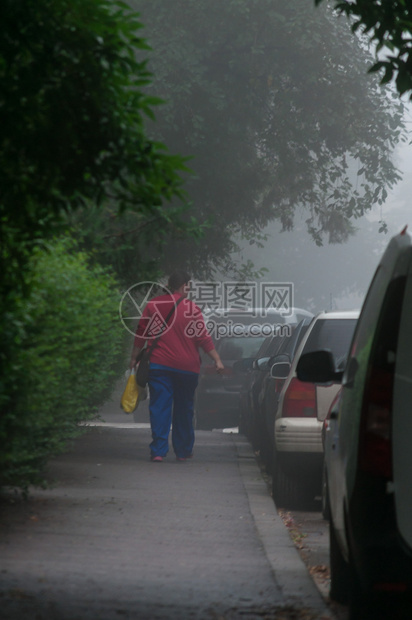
(172, 402)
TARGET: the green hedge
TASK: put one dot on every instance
(67, 359)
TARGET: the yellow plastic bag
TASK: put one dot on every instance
(130, 397)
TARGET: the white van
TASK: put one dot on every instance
(368, 447)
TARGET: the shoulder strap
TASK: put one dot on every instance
(155, 341)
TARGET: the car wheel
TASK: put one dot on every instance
(346, 589)
(325, 494)
(253, 433)
(278, 487)
(288, 491)
(243, 421)
(242, 428)
(340, 580)
(368, 605)
(365, 604)
(360, 608)
(266, 449)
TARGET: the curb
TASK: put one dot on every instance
(287, 566)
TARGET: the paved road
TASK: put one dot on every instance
(121, 537)
(310, 533)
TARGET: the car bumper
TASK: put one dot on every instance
(298, 435)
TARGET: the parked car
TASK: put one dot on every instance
(260, 392)
(238, 336)
(368, 452)
(217, 395)
(255, 371)
(269, 393)
(301, 409)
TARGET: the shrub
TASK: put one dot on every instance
(67, 356)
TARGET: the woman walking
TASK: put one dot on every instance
(174, 366)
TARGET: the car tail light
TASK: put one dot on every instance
(299, 400)
(375, 448)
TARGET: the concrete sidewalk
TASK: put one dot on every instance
(121, 537)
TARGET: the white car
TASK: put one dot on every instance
(368, 448)
(302, 407)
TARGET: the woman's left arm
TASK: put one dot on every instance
(216, 358)
(133, 358)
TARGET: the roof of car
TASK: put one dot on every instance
(247, 316)
(338, 314)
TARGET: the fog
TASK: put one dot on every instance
(334, 276)
(274, 106)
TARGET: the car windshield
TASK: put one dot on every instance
(332, 334)
(239, 347)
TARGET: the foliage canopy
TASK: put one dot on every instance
(271, 100)
(72, 118)
(388, 23)
(72, 135)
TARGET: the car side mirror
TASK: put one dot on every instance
(280, 370)
(318, 367)
(261, 364)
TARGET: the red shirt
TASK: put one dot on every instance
(178, 346)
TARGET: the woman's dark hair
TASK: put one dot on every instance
(177, 278)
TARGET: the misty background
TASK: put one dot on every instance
(334, 276)
(295, 148)
(274, 155)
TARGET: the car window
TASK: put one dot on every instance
(239, 347)
(366, 325)
(332, 334)
(370, 312)
(289, 345)
(298, 338)
(271, 345)
(265, 346)
(387, 331)
(276, 345)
